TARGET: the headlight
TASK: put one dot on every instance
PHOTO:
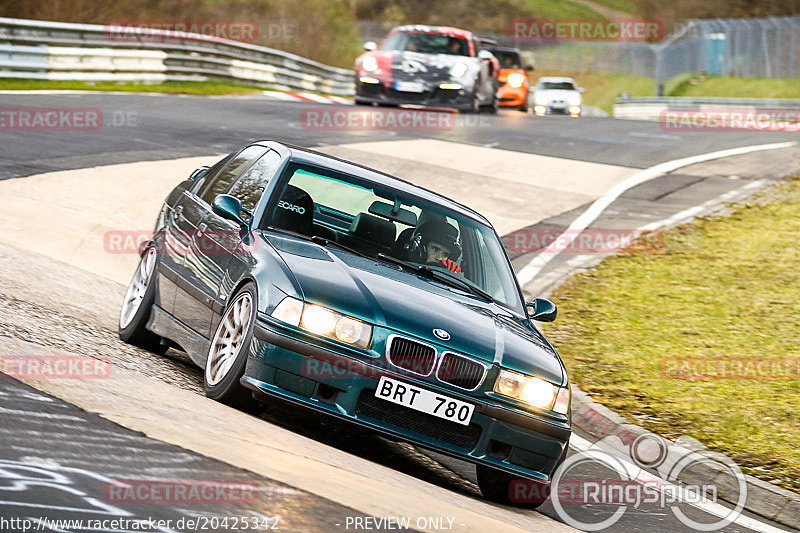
(539, 99)
(458, 70)
(574, 99)
(324, 322)
(533, 391)
(369, 63)
(516, 80)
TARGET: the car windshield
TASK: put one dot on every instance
(508, 59)
(381, 223)
(557, 85)
(426, 43)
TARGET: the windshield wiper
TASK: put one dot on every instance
(316, 239)
(447, 278)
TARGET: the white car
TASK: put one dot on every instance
(557, 96)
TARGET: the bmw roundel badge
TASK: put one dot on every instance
(442, 334)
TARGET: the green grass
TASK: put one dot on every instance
(738, 87)
(176, 87)
(561, 9)
(602, 88)
(725, 289)
(626, 6)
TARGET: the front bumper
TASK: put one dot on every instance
(337, 380)
(383, 93)
(512, 96)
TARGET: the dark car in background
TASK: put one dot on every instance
(428, 66)
(286, 273)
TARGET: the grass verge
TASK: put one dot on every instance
(647, 333)
(603, 88)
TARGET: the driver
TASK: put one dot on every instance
(436, 243)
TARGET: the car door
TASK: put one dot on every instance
(171, 241)
(196, 291)
(229, 244)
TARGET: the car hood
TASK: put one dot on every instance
(385, 295)
(414, 66)
(557, 94)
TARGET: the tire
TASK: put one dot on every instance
(227, 353)
(138, 304)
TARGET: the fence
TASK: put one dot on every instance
(65, 51)
(755, 47)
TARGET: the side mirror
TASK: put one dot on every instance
(229, 208)
(199, 171)
(581, 89)
(542, 310)
(369, 46)
(528, 68)
(485, 54)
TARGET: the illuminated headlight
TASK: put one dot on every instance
(458, 70)
(324, 322)
(574, 100)
(369, 63)
(575, 110)
(540, 99)
(533, 391)
(516, 80)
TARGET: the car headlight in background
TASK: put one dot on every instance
(540, 99)
(324, 322)
(533, 391)
(574, 100)
(458, 70)
(369, 63)
(516, 80)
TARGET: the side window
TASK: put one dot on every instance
(209, 174)
(250, 185)
(222, 182)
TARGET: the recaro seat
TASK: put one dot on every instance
(295, 211)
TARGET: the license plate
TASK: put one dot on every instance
(424, 400)
(409, 86)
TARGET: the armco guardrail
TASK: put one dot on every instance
(651, 108)
(66, 51)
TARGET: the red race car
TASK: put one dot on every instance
(430, 66)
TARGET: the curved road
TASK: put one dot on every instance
(58, 314)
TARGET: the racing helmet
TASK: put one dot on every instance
(433, 231)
